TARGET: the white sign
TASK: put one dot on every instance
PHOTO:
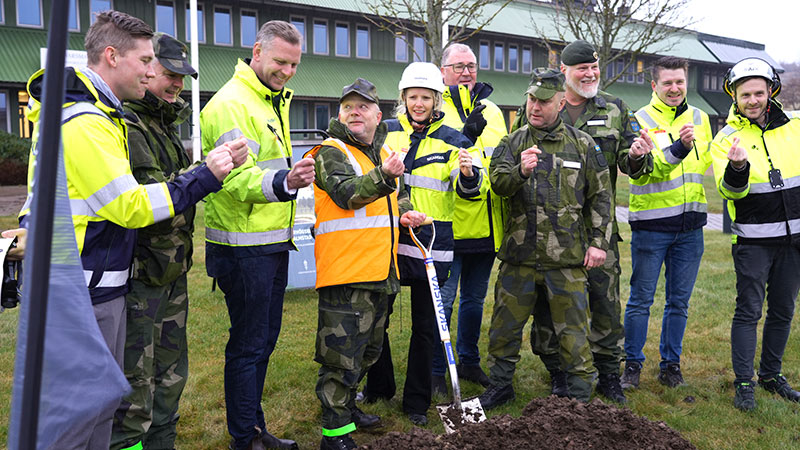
(75, 58)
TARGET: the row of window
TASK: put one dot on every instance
(633, 74)
(512, 61)
(713, 81)
(29, 12)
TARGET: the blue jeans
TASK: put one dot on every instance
(473, 269)
(680, 253)
(254, 287)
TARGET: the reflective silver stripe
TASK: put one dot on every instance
(488, 151)
(663, 186)
(273, 164)
(355, 223)
(235, 134)
(761, 188)
(82, 108)
(110, 278)
(670, 158)
(454, 177)
(792, 114)
(733, 189)
(350, 156)
(255, 238)
(670, 211)
(111, 191)
(412, 251)
(697, 117)
(427, 182)
(79, 207)
(764, 230)
(158, 201)
(728, 130)
(642, 114)
(266, 186)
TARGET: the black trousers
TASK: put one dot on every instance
(380, 377)
(417, 390)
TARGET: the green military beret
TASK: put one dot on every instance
(545, 83)
(578, 52)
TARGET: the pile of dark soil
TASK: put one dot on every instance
(547, 423)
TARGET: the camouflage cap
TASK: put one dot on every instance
(545, 83)
(363, 88)
(172, 53)
(578, 52)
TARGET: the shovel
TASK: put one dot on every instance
(459, 412)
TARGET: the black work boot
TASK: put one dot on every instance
(745, 398)
(343, 442)
(630, 378)
(671, 375)
(473, 373)
(362, 419)
(271, 441)
(558, 384)
(608, 385)
(780, 386)
(495, 396)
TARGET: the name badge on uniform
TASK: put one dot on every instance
(661, 138)
(572, 164)
(596, 123)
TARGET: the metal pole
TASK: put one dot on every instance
(196, 150)
(37, 261)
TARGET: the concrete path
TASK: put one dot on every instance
(714, 219)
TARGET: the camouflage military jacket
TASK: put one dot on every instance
(563, 207)
(163, 250)
(335, 175)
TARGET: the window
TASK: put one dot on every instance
(72, 22)
(322, 116)
(420, 48)
(631, 76)
(2, 14)
(223, 34)
(201, 24)
(96, 6)
(29, 13)
(300, 24)
(620, 70)
(499, 56)
(552, 59)
(249, 27)
(714, 83)
(513, 62)
(640, 72)
(400, 49)
(4, 116)
(484, 55)
(320, 37)
(342, 39)
(362, 41)
(165, 17)
(527, 60)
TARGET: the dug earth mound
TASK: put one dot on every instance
(547, 423)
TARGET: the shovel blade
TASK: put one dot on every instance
(454, 419)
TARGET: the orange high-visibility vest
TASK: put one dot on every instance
(354, 246)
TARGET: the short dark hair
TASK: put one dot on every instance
(669, 63)
(114, 29)
(279, 29)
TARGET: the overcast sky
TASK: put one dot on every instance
(774, 23)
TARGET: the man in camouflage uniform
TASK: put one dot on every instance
(358, 179)
(613, 126)
(559, 226)
(156, 359)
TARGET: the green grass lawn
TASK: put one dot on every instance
(292, 409)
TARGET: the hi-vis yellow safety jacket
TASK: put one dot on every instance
(355, 246)
(761, 213)
(252, 208)
(477, 222)
(670, 196)
(105, 199)
(432, 175)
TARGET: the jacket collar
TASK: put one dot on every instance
(246, 75)
(170, 113)
(775, 117)
(666, 111)
(554, 132)
(340, 131)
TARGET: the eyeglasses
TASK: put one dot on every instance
(459, 67)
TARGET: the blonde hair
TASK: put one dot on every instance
(400, 109)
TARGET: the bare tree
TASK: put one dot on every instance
(427, 19)
(620, 30)
(790, 86)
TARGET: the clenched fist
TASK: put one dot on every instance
(393, 166)
(302, 174)
(219, 161)
(529, 158)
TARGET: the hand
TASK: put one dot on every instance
(465, 162)
(393, 166)
(594, 258)
(412, 219)
(737, 155)
(642, 145)
(238, 150)
(529, 160)
(302, 174)
(687, 136)
(475, 123)
(219, 161)
(16, 254)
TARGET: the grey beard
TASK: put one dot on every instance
(581, 90)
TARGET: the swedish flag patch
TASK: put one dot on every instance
(634, 123)
(600, 157)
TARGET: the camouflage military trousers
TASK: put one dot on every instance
(607, 333)
(349, 339)
(156, 364)
(518, 292)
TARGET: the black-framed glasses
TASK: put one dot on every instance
(459, 67)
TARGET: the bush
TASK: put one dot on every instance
(13, 159)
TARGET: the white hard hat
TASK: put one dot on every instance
(422, 74)
(751, 67)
